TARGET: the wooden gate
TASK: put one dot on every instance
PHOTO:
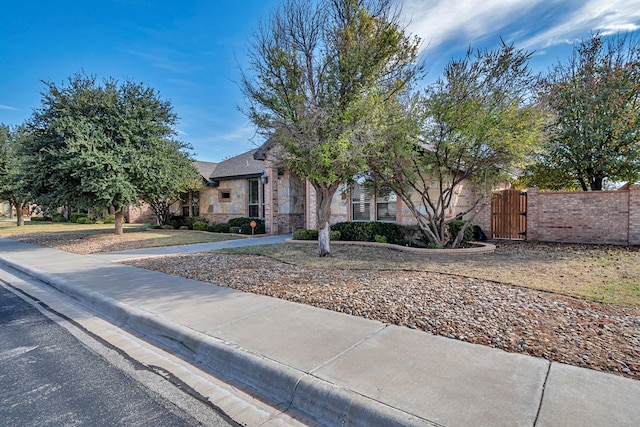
(509, 215)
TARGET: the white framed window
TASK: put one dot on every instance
(386, 205)
(360, 203)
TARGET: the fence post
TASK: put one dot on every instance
(532, 214)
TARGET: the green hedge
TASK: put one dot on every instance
(454, 228)
(58, 217)
(40, 218)
(243, 225)
(367, 232)
(75, 217)
(177, 221)
(303, 234)
(218, 228)
(200, 225)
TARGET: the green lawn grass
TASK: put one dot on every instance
(135, 235)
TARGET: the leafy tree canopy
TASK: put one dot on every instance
(12, 186)
(320, 73)
(474, 125)
(594, 100)
(100, 145)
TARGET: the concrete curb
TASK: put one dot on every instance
(300, 394)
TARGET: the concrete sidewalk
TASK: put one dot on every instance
(197, 247)
(329, 368)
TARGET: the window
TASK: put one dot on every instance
(224, 195)
(254, 199)
(386, 205)
(360, 203)
(190, 200)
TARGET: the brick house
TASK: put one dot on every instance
(255, 184)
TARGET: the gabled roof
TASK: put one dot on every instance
(205, 168)
(241, 166)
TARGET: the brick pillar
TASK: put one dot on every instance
(269, 207)
(533, 214)
(634, 215)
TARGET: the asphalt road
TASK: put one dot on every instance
(50, 377)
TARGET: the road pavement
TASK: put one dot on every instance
(50, 377)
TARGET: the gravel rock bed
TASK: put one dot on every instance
(556, 327)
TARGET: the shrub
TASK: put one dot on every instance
(75, 216)
(303, 234)
(83, 220)
(109, 219)
(380, 239)
(367, 231)
(235, 230)
(200, 225)
(40, 218)
(218, 228)
(58, 217)
(244, 226)
(177, 221)
(455, 226)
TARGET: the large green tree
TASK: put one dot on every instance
(100, 145)
(12, 186)
(471, 128)
(319, 73)
(170, 173)
(594, 99)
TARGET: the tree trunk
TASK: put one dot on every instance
(323, 215)
(19, 213)
(596, 183)
(119, 221)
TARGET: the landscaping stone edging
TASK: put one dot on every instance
(482, 248)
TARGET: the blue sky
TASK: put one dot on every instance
(190, 50)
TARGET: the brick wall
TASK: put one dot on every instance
(604, 217)
(140, 214)
(634, 215)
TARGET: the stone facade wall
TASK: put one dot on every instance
(341, 207)
(285, 199)
(217, 210)
(602, 217)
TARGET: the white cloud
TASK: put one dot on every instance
(608, 17)
(439, 21)
(8, 107)
(552, 22)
